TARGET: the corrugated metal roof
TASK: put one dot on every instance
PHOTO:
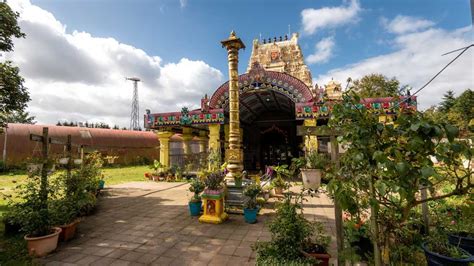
(95, 137)
(129, 145)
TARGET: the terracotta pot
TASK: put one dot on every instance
(41, 246)
(322, 258)
(278, 191)
(68, 231)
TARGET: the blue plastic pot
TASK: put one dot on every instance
(464, 242)
(250, 215)
(195, 208)
(435, 259)
(101, 184)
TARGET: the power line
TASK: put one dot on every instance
(439, 72)
(457, 50)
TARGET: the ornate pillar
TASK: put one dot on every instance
(214, 137)
(187, 137)
(226, 140)
(310, 142)
(234, 158)
(214, 142)
(203, 139)
(164, 137)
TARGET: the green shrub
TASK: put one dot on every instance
(290, 231)
(250, 192)
(197, 186)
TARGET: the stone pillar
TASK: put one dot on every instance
(164, 137)
(187, 137)
(234, 158)
(310, 142)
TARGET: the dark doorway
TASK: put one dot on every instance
(269, 130)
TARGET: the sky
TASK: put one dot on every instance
(76, 54)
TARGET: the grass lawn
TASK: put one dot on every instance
(120, 175)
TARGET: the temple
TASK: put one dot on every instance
(276, 95)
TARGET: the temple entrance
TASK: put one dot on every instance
(269, 130)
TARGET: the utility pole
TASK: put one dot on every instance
(134, 115)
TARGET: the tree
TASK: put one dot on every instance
(464, 108)
(22, 117)
(448, 101)
(8, 27)
(457, 111)
(13, 95)
(376, 85)
(386, 164)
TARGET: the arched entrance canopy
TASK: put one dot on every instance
(257, 79)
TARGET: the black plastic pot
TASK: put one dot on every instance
(11, 228)
(363, 247)
(435, 259)
(464, 242)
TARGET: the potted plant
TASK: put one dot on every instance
(213, 199)
(314, 163)
(156, 166)
(278, 183)
(148, 176)
(438, 251)
(197, 186)
(290, 230)
(250, 203)
(179, 174)
(460, 226)
(317, 243)
(33, 214)
(102, 182)
(213, 183)
(64, 215)
(238, 180)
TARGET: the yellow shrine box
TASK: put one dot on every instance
(213, 203)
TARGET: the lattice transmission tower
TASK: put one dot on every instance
(134, 115)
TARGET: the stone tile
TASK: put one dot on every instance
(131, 256)
(147, 258)
(87, 260)
(218, 260)
(103, 261)
(73, 258)
(227, 250)
(237, 261)
(244, 252)
(181, 261)
(171, 253)
(121, 263)
(58, 263)
(117, 253)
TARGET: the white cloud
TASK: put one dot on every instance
(323, 51)
(329, 17)
(183, 3)
(404, 24)
(418, 58)
(79, 77)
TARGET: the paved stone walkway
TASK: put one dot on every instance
(148, 223)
